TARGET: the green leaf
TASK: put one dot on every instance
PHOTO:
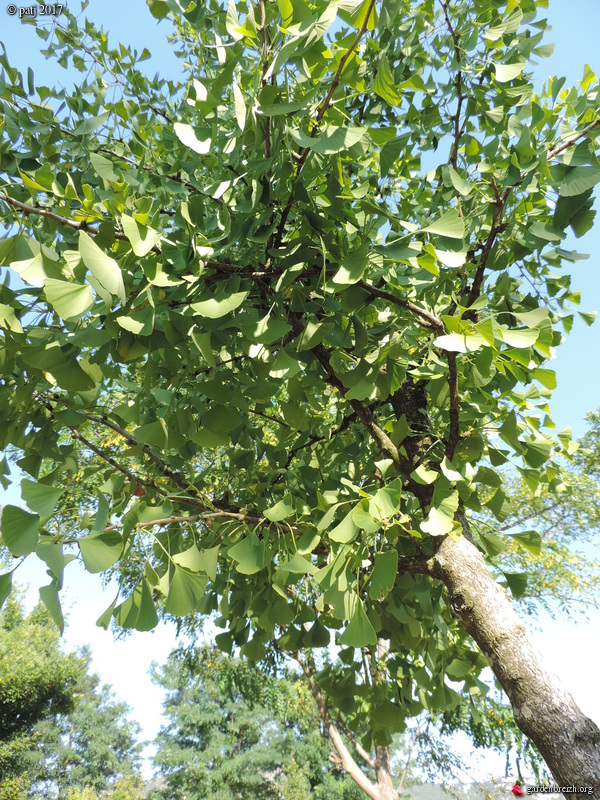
(186, 590)
(217, 307)
(389, 153)
(346, 531)
(142, 238)
(20, 530)
(102, 551)
(52, 554)
(313, 334)
(449, 224)
(578, 180)
(460, 342)
(187, 136)
(104, 167)
(352, 269)
(281, 510)
(240, 106)
(221, 419)
(499, 505)
(40, 497)
(385, 503)
(384, 574)
(530, 540)
(508, 72)
(440, 519)
(462, 186)
(69, 300)
(332, 140)
(317, 636)
(5, 587)
(250, 554)
(362, 516)
(138, 611)
(299, 565)
(104, 269)
(359, 632)
(517, 583)
(519, 337)
(384, 85)
(49, 597)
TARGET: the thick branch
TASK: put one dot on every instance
(348, 763)
(487, 247)
(454, 434)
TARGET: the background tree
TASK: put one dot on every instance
(310, 294)
(59, 728)
(235, 731)
(94, 746)
(37, 680)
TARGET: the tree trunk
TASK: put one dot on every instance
(568, 740)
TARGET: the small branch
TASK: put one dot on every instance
(115, 464)
(454, 434)
(458, 130)
(487, 247)
(336, 79)
(269, 416)
(426, 318)
(560, 148)
(217, 266)
(320, 114)
(410, 749)
(130, 439)
(44, 212)
(204, 516)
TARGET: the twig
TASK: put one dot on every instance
(426, 318)
(320, 114)
(565, 145)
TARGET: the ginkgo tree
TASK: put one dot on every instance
(295, 313)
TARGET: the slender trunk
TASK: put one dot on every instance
(568, 740)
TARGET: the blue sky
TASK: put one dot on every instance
(575, 31)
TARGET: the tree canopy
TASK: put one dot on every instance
(59, 729)
(234, 731)
(297, 311)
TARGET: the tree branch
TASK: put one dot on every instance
(426, 318)
(454, 434)
(115, 464)
(130, 439)
(348, 763)
(458, 130)
(320, 114)
(560, 148)
(489, 243)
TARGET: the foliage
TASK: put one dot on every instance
(93, 746)
(129, 788)
(60, 728)
(36, 680)
(235, 731)
(552, 559)
(309, 294)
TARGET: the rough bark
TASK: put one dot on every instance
(568, 740)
